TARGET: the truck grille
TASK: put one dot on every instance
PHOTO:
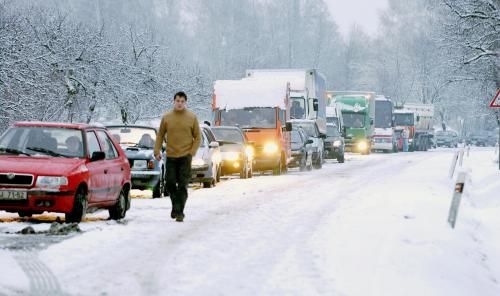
(12, 179)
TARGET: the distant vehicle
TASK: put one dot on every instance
(383, 136)
(334, 143)
(301, 150)
(206, 164)
(138, 143)
(417, 120)
(446, 138)
(261, 109)
(236, 151)
(358, 112)
(318, 146)
(64, 168)
(307, 92)
(479, 139)
(334, 115)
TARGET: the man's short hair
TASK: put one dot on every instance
(181, 94)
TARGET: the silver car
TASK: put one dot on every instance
(206, 164)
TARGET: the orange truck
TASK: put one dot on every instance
(261, 108)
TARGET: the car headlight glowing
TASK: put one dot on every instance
(50, 181)
(231, 156)
(362, 145)
(249, 151)
(337, 143)
(197, 162)
(270, 148)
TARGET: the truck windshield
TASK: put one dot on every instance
(355, 120)
(249, 117)
(298, 110)
(383, 114)
(405, 119)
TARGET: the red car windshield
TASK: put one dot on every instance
(35, 140)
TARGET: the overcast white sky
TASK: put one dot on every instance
(362, 12)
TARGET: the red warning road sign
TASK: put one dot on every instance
(495, 103)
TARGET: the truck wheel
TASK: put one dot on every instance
(277, 169)
(79, 207)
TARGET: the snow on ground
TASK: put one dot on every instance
(375, 225)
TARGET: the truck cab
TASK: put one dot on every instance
(261, 109)
(383, 136)
(358, 112)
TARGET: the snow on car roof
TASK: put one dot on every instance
(247, 93)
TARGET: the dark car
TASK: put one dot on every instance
(334, 143)
(301, 150)
(138, 143)
(235, 150)
(446, 138)
(62, 167)
(312, 131)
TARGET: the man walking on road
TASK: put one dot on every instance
(183, 139)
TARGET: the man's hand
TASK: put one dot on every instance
(158, 157)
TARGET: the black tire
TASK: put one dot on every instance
(310, 167)
(80, 204)
(219, 173)
(24, 214)
(119, 210)
(319, 163)
(303, 163)
(158, 189)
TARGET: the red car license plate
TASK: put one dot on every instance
(13, 195)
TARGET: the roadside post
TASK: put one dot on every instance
(457, 196)
(495, 103)
(461, 157)
(453, 164)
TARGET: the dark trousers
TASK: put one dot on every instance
(178, 177)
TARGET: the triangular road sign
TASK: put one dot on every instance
(495, 103)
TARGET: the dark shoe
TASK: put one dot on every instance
(173, 214)
(179, 218)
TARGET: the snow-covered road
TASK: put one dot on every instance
(375, 225)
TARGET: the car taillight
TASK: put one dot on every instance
(151, 164)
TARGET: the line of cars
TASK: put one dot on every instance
(78, 168)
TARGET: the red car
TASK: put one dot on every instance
(65, 168)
